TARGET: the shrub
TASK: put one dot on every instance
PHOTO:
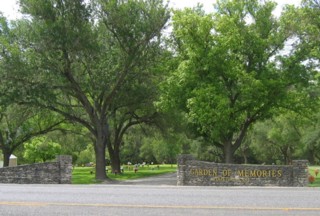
(311, 179)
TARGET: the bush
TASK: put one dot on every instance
(311, 179)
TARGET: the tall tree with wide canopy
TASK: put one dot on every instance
(232, 72)
(83, 54)
(18, 123)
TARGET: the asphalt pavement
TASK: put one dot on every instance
(155, 196)
(169, 179)
(118, 200)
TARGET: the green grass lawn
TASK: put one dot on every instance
(82, 175)
(316, 183)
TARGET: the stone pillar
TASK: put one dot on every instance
(65, 167)
(182, 159)
(300, 173)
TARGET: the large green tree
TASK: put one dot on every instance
(133, 106)
(18, 123)
(232, 70)
(82, 56)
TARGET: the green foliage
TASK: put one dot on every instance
(99, 64)
(278, 140)
(151, 148)
(41, 149)
(286, 137)
(131, 147)
(147, 151)
(310, 139)
(86, 156)
(91, 62)
(230, 73)
(73, 139)
(19, 124)
(203, 150)
(162, 149)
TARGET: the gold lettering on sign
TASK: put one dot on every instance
(227, 174)
(259, 173)
(241, 173)
(204, 172)
(253, 173)
(264, 173)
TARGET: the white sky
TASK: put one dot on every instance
(208, 3)
(10, 7)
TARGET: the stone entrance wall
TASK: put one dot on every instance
(200, 173)
(58, 172)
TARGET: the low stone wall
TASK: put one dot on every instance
(200, 173)
(58, 172)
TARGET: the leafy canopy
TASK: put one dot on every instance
(231, 69)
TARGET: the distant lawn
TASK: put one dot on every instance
(85, 175)
(312, 172)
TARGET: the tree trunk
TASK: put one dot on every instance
(115, 162)
(245, 158)
(230, 148)
(114, 153)
(6, 158)
(311, 156)
(289, 159)
(100, 154)
(228, 152)
(284, 152)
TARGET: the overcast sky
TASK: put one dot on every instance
(209, 3)
(10, 7)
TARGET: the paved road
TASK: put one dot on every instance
(165, 179)
(118, 200)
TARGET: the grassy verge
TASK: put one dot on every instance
(85, 175)
(316, 183)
